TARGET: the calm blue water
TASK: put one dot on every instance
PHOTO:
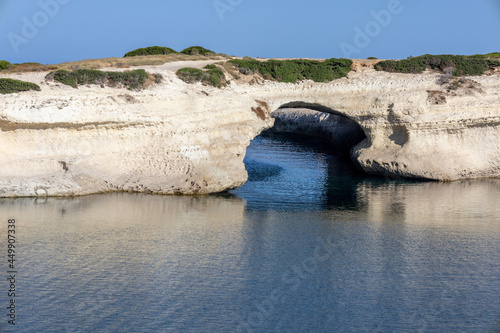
(307, 245)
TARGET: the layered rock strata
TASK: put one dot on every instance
(168, 139)
(177, 138)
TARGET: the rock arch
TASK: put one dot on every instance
(320, 121)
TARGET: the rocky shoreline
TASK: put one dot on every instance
(179, 138)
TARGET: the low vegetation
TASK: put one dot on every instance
(488, 55)
(135, 79)
(160, 50)
(127, 62)
(25, 67)
(197, 50)
(213, 76)
(9, 86)
(453, 86)
(4, 64)
(152, 60)
(455, 65)
(295, 70)
(152, 50)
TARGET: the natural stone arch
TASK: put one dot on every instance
(317, 120)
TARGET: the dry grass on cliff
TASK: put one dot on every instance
(154, 60)
(31, 67)
(114, 62)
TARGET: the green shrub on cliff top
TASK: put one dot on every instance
(9, 86)
(455, 64)
(213, 77)
(152, 50)
(4, 64)
(133, 80)
(493, 55)
(217, 78)
(197, 50)
(296, 70)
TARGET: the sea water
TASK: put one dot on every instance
(308, 244)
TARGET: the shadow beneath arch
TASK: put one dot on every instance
(318, 121)
(318, 132)
(294, 172)
(342, 183)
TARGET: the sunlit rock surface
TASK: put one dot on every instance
(178, 138)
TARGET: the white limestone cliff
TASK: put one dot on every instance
(172, 138)
(177, 138)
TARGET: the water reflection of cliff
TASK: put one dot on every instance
(431, 203)
(102, 221)
(400, 250)
(121, 256)
(296, 173)
(412, 201)
(124, 207)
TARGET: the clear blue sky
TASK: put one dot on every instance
(39, 31)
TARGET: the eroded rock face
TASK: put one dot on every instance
(408, 134)
(449, 150)
(169, 139)
(175, 138)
